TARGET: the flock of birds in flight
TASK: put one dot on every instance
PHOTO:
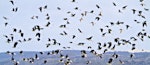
(104, 31)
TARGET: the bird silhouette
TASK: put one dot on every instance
(38, 35)
(73, 0)
(113, 47)
(97, 6)
(48, 24)
(15, 44)
(58, 8)
(89, 47)
(127, 26)
(21, 52)
(114, 4)
(105, 51)
(88, 62)
(89, 38)
(45, 7)
(141, 0)
(109, 30)
(121, 62)
(146, 9)
(45, 61)
(6, 24)
(21, 34)
(8, 40)
(79, 30)
(5, 18)
(112, 23)
(92, 11)
(133, 48)
(124, 7)
(40, 8)
(73, 36)
(12, 38)
(16, 63)
(80, 44)
(14, 30)
(101, 29)
(104, 45)
(62, 26)
(131, 55)
(110, 60)
(76, 8)
(99, 47)
(36, 56)
(48, 17)
(119, 11)
(12, 2)
(109, 44)
(97, 18)
(144, 24)
(133, 11)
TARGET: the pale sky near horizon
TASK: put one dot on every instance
(28, 8)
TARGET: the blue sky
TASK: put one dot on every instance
(27, 8)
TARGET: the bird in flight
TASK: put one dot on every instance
(12, 2)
